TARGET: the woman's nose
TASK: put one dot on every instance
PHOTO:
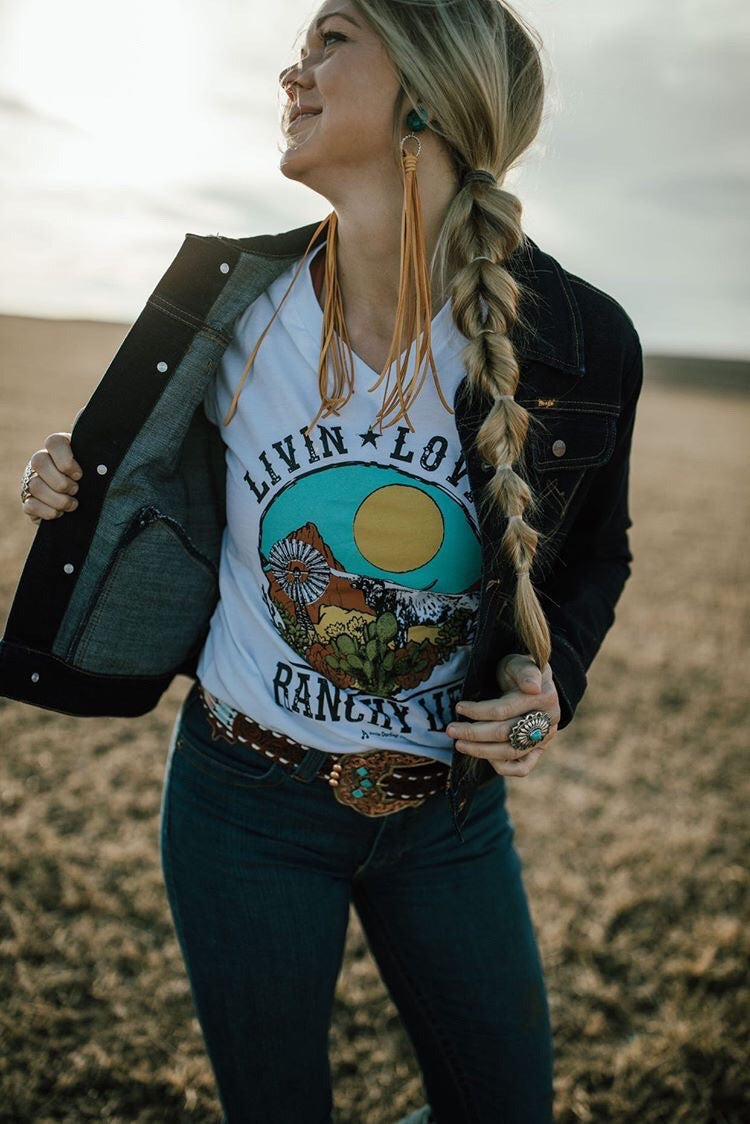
(286, 79)
(297, 74)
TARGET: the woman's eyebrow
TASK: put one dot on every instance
(330, 15)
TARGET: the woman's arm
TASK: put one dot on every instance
(580, 593)
(579, 597)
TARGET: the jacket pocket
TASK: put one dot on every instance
(566, 440)
(153, 604)
(562, 446)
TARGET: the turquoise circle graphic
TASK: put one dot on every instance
(331, 497)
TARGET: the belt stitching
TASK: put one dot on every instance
(442, 771)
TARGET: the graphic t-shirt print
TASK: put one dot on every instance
(371, 575)
(350, 565)
(376, 589)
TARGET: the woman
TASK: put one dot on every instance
(376, 635)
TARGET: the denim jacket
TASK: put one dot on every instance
(115, 599)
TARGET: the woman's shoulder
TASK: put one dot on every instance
(605, 329)
(594, 302)
(597, 302)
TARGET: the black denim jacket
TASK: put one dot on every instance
(115, 599)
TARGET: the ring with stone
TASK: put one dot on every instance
(28, 472)
(529, 729)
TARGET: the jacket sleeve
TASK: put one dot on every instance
(581, 591)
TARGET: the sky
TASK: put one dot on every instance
(124, 127)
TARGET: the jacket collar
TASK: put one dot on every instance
(553, 334)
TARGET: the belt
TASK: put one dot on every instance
(375, 783)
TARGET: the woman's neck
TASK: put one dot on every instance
(368, 241)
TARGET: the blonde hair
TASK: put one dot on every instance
(477, 69)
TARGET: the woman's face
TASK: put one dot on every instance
(345, 77)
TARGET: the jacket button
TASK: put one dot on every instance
(68, 567)
(162, 367)
(558, 448)
(35, 677)
(224, 267)
(101, 469)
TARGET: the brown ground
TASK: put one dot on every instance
(633, 831)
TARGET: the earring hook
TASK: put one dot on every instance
(413, 137)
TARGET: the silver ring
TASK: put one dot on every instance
(28, 472)
(529, 729)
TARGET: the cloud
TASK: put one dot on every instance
(643, 169)
(638, 181)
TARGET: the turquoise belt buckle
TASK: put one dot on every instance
(366, 784)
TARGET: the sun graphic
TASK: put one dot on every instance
(398, 528)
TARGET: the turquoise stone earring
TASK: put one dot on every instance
(417, 119)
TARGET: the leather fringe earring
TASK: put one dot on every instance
(413, 316)
(335, 338)
(413, 310)
(235, 398)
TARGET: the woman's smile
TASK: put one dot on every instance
(293, 125)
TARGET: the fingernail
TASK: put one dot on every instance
(451, 731)
(74, 489)
(73, 505)
(76, 475)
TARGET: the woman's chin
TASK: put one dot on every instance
(293, 167)
(297, 163)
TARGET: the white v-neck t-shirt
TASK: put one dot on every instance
(350, 562)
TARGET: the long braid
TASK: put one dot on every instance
(484, 222)
(477, 69)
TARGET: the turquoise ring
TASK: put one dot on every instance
(528, 730)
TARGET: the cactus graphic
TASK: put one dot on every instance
(372, 662)
(454, 631)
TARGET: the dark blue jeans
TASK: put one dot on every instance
(261, 866)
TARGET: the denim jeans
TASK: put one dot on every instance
(260, 868)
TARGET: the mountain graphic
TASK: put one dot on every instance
(362, 634)
(339, 591)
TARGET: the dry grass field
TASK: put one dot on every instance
(633, 831)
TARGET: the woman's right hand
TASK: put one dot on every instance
(53, 488)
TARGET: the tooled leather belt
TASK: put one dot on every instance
(374, 783)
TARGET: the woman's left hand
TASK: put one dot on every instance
(485, 734)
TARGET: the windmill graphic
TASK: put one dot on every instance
(303, 574)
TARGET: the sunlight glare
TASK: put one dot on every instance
(121, 75)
